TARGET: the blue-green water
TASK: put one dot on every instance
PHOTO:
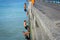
(12, 16)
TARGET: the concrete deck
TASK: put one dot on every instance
(48, 20)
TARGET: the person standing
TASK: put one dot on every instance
(25, 25)
(27, 35)
(33, 2)
(25, 7)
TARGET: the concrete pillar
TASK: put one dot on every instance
(36, 37)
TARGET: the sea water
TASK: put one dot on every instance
(12, 16)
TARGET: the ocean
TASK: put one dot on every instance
(12, 16)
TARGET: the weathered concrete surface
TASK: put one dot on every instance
(53, 14)
(43, 2)
(48, 20)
